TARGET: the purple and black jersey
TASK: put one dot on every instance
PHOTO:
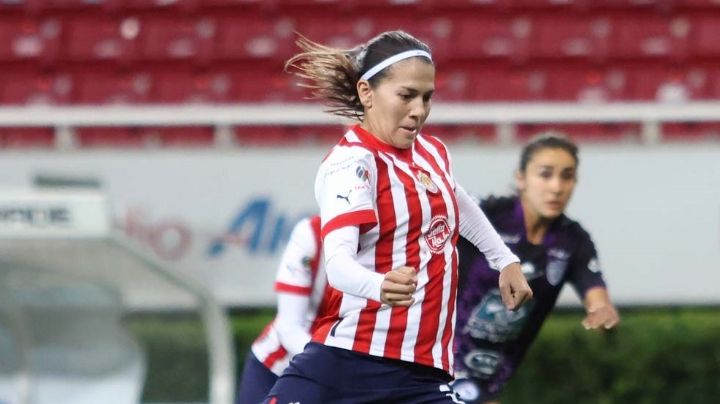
(490, 340)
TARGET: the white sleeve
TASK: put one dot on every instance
(294, 269)
(345, 188)
(477, 229)
(290, 321)
(344, 273)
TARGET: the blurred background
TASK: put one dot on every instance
(154, 156)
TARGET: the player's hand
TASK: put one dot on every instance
(398, 287)
(514, 288)
(605, 316)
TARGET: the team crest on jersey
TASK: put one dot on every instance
(557, 265)
(426, 181)
(438, 234)
(362, 173)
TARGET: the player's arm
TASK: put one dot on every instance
(293, 285)
(477, 229)
(347, 275)
(586, 276)
(601, 313)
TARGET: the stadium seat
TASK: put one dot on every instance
(691, 131)
(109, 137)
(586, 84)
(23, 38)
(193, 136)
(255, 37)
(480, 38)
(507, 84)
(668, 84)
(192, 87)
(163, 39)
(650, 37)
(27, 138)
(26, 87)
(316, 134)
(570, 37)
(467, 4)
(451, 84)
(705, 35)
(552, 4)
(111, 88)
(584, 132)
(462, 133)
(264, 135)
(95, 39)
(41, 6)
(179, 5)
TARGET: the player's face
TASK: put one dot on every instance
(398, 106)
(548, 182)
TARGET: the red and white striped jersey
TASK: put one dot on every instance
(301, 272)
(403, 201)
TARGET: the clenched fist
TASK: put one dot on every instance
(398, 287)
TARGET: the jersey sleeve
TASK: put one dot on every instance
(294, 274)
(345, 189)
(585, 272)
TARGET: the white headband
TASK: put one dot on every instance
(394, 59)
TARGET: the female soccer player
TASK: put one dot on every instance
(391, 213)
(491, 341)
(303, 297)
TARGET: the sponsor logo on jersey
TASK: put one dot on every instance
(482, 363)
(362, 173)
(425, 180)
(594, 265)
(438, 234)
(491, 321)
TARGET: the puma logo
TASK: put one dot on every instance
(347, 198)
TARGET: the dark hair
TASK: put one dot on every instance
(332, 74)
(547, 140)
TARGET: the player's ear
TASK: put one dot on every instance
(519, 180)
(365, 93)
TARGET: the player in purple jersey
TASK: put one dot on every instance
(491, 341)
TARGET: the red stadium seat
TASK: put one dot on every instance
(462, 133)
(584, 84)
(691, 131)
(27, 138)
(264, 135)
(93, 38)
(506, 84)
(193, 136)
(255, 37)
(451, 84)
(480, 38)
(584, 132)
(29, 39)
(35, 88)
(163, 39)
(665, 84)
(139, 137)
(571, 37)
(109, 137)
(467, 4)
(113, 88)
(552, 4)
(650, 37)
(340, 32)
(180, 5)
(705, 35)
(191, 87)
(313, 134)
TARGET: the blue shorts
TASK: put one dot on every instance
(256, 381)
(323, 374)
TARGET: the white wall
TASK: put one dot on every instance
(653, 211)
